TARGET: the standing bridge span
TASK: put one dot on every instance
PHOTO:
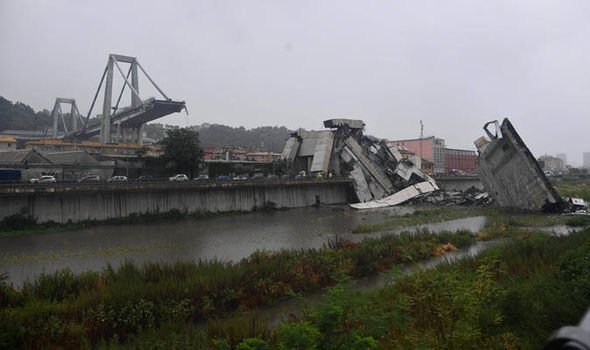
(116, 123)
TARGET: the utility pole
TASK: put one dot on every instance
(421, 137)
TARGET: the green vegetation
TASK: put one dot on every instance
(21, 116)
(182, 151)
(112, 305)
(512, 296)
(579, 189)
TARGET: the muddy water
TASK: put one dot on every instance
(230, 237)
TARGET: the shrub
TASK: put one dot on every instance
(253, 344)
(298, 336)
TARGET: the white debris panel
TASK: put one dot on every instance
(399, 197)
(379, 172)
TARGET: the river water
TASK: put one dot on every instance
(226, 237)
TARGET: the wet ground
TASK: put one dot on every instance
(228, 237)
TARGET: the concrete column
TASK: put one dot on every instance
(135, 101)
(74, 116)
(55, 115)
(118, 132)
(140, 134)
(105, 129)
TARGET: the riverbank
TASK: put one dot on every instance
(113, 304)
(133, 304)
(512, 296)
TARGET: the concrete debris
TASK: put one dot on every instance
(471, 197)
(382, 176)
(399, 197)
(510, 173)
(576, 206)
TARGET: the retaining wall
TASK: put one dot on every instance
(103, 202)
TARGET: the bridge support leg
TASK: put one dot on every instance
(105, 127)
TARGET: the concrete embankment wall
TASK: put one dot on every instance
(103, 202)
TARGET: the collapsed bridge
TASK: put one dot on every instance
(381, 175)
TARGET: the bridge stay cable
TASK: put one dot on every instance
(122, 90)
(95, 97)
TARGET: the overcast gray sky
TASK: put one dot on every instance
(453, 64)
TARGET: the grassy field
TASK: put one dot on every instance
(574, 188)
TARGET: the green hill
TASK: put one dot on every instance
(21, 116)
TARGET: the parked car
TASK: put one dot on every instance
(241, 177)
(90, 178)
(34, 180)
(118, 178)
(223, 178)
(47, 179)
(145, 178)
(201, 178)
(179, 177)
(272, 177)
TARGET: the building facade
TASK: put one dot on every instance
(552, 164)
(563, 157)
(429, 148)
(91, 147)
(7, 143)
(586, 162)
(460, 161)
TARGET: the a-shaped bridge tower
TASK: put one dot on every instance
(124, 124)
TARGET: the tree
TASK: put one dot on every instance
(182, 151)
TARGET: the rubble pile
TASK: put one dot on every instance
(382, 176)
(472, 197)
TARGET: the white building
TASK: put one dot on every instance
(563, 157)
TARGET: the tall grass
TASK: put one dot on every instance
(511, 297)
(580, 189)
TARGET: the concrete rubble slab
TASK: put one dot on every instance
(399, 197)
(510, 173)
